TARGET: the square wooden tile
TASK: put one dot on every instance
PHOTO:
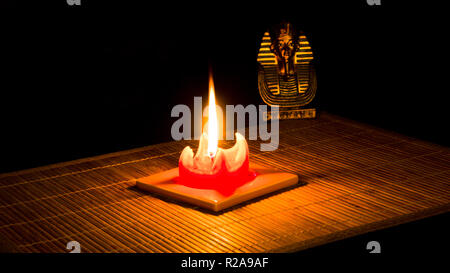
(266, 181)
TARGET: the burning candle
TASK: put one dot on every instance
(216, 178)
(213, 167)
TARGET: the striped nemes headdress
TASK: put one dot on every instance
(294, 91)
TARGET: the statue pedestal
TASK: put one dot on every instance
(292, 114)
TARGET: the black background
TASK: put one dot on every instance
(84, 80)
(78, 81)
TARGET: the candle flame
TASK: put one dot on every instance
(213, 131)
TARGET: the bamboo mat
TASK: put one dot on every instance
(358, 179)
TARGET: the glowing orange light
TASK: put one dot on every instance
(213, 130)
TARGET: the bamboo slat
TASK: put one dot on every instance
(357, 179)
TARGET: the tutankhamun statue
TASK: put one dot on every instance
(286, 76)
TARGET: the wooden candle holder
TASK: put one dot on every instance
(266, 181)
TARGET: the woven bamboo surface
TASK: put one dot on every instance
(358, 179)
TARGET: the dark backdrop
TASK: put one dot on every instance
(104, 76)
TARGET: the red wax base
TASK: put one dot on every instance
(223, 181)
(226, 185)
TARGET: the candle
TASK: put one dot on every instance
(213, 167)
(216, 178)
